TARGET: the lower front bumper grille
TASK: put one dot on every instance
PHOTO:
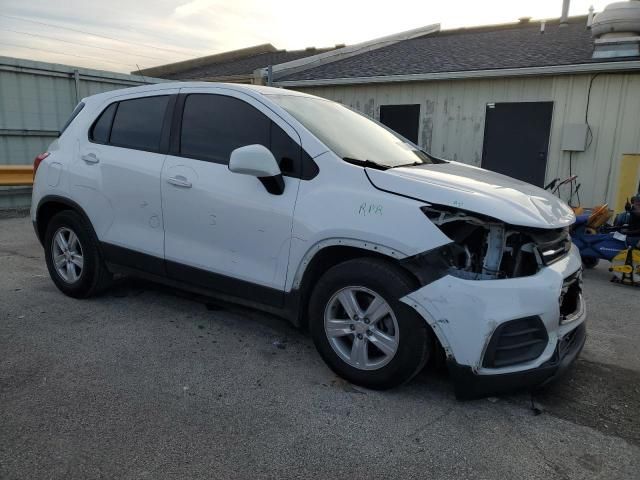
(469, 385)
(516, 341)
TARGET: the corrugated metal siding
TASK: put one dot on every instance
(452, 117)
(36, 99)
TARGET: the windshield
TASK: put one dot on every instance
(351, 135)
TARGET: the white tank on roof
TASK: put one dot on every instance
(620, 19)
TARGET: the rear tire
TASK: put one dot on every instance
(590, 262)
(377, 342)
(73, 256)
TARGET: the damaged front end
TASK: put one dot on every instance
(484, 248)
(505, 302)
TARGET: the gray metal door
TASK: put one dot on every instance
(516, 139)
(403, 119)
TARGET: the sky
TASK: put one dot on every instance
(124, 35)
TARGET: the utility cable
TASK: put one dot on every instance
(92, 34)
(67, 54)
(80, 44)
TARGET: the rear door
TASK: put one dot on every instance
(117, 177)
(516, 139)
(223, 230)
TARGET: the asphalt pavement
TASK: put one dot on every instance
(146, 382)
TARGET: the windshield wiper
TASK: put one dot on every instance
(365, 163)
(412, 164)
(427, 160)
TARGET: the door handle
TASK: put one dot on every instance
(90, 158)
(179, 181)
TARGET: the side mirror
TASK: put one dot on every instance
(258, 161)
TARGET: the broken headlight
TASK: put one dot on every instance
(484, 248)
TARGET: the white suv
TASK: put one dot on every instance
(302, 207)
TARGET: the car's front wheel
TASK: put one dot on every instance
(362, 330)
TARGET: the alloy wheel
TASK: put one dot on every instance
(66, 252)
(361, 328)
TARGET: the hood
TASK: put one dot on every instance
(476, 190)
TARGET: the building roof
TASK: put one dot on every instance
(508, 46)
(231, 64)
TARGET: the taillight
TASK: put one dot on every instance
(37, 161)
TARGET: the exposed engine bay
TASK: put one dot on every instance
(486, 249)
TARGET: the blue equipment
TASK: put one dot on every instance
(610, 244)
(595, 246)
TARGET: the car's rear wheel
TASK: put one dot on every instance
(67, 254)
(362, 330)
(72, 255)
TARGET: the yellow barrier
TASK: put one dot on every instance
(628, 179)
(16, 175)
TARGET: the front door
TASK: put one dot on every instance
(224, 231)
(516, 139)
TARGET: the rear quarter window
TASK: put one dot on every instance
(102, 127)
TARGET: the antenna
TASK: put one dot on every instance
(140, 73)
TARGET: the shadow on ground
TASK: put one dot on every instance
(603, 397)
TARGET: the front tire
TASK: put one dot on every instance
(361, 328)
(73, 257)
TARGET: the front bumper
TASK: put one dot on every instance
(469, 385)
(464, 314)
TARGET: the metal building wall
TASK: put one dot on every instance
(36, 99)
(452, 115)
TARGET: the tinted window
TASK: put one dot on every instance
(138, 123)
(73, 115)
(213, 126)
(101, 128)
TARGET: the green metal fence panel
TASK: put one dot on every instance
(36, 99)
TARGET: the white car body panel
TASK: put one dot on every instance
(343, 206)
(124, 198)
(227, 223)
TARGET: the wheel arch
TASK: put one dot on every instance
(48, 207)
(329, 253)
